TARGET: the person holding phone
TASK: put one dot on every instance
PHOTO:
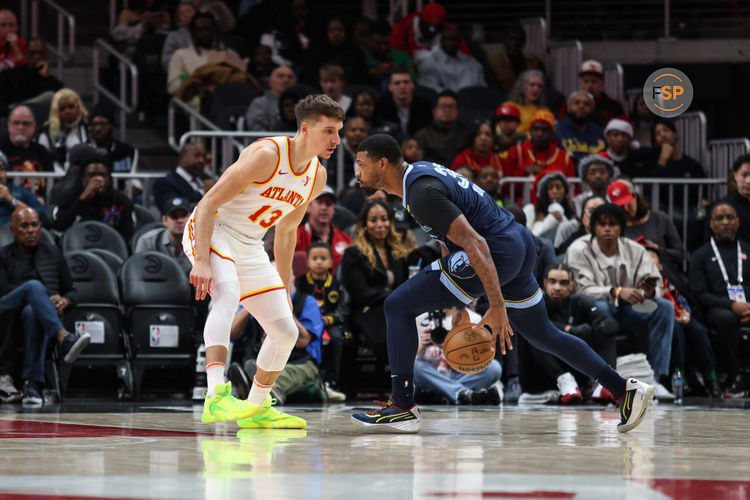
(621, 278)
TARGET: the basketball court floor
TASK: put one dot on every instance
(85, 449)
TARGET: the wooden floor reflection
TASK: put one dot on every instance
(152, 451)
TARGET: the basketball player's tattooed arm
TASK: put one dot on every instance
(285, 238)
(256, 163)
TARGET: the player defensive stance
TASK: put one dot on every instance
(270, 184)
(484, 249)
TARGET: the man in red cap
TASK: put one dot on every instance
(418, 34)
(540, 152)
(592, 81)
(507, 119)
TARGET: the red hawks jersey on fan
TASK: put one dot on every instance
(261, 205)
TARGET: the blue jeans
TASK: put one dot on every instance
(658, 323)
(427, 377)
(40, 323)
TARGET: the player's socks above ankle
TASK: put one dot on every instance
(612, 381)
(215, 375)
(403, 390)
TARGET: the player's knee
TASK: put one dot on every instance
(284, 333)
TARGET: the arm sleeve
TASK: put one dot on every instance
(430, 204)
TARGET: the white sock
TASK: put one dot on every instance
(258, 392)
(215, 373)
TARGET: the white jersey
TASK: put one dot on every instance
(261, 205)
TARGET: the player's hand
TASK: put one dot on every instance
(496, 318)
(460, 316)
(631, 295)
(202, 279)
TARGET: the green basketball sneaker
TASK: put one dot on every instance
(223, 407)
(271, 418)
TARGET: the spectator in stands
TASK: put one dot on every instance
(402, 107)
(287, 121)
(333, 45)
(667, 161)
(578, 134)
(261, 66)
(362, 29)
(651, 228)
(592, 81)
(188, 180)
(103, 126)
(620, 277)
(444, 138)
(718, 278)
(180, 37)
(689, 337)
(488, 179)
(550, 205)
(643, 121)
(13, 196)
(371, 268)
(78, 157)
(511, 61)
(94, 198)
(505, 125)
(30, 82)
(445, 68)
(382, 60)
(204, 49)
(624, 152)
(143, 16)
(320, 228)
(281, 26)
(434, 377)
(740, 199)
(467, 172)
(576, 315)
(67, 126)
(570, 231)
(225, 20)
(302, 370)
(320, 283)
(597, 173)
(411, 150)
(35, 281)
(23, 152)
(480, 154)
(355, 130)
(363, 105)
(418, 34)
(168, 240)
(264, 111)
(12, 48)
(529, 95)
(540, 152)
(332, 82)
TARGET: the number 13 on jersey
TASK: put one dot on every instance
(268, 221)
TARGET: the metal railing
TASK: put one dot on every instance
(693, 132)
(61, 51)
(723, 153)
(564, 61)
(537, 36)
(614, 83)
(124, 66)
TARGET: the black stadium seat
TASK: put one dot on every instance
(112, 260)
(143, 216)
(143, 230)
(159, 313)
(231, 94)
(6, 237)
(94, 234)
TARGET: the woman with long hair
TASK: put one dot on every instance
(529, 95)
(551, 205)
(67, 125)
(371, 268)
(480, 154)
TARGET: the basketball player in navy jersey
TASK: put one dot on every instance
(485, 252)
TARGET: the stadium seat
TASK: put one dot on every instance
(159, 314)
(426, 93)
(6, 237)
(352, 89)
(151, 226)
(231, 94)
(303, 89)
(143, 216)
(112, 260)
(99, 313)
(94, 234)
(229, 117)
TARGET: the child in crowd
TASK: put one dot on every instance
(411, 150)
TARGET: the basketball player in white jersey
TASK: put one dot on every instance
(270, 184)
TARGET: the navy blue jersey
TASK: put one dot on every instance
(484, 215)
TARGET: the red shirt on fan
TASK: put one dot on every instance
(468, 158)
(523, 155)
(338, 241)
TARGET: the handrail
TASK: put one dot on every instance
(62, 15)
(123, 64)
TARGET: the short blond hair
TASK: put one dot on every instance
(331, 71)
(312, 107)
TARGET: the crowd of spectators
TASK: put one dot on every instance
(614, 268)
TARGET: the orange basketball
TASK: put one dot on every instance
(468, 349)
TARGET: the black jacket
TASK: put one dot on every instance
(113, 208)
(174, 186)
(742, 207)
(366, 286)
(577, 311)
(330, 294)
(706, 282)
(49, 263)
(22, 83)
(420, 115)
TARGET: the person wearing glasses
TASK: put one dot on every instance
(444, 138)
(719, 274)
(23, 152)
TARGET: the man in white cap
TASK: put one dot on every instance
(592, 81)
(625, 153)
